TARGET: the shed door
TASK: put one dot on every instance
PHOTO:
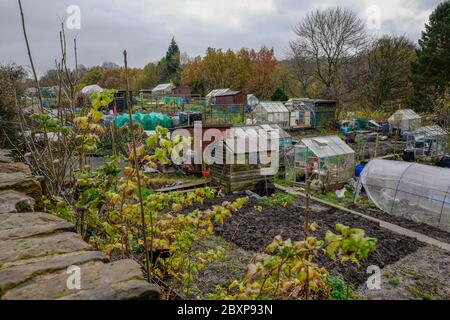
(293, 119)
(307, 120)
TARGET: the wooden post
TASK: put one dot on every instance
(376, 147)
(138, 177)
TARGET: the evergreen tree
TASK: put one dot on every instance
(431, 69)
(170, 66)
(279, 95)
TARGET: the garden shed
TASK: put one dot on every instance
(326, 161)
(224, 106)
(243, 164)
(226, 97)
(414, 191)
(182, 91)
(301, 115)
(405, 120)
(314, 113)
(163, 89)
(429, 141)
(271, 112)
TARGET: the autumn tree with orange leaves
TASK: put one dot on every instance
(252, 71)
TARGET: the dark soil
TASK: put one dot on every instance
(423, 228)
(254, 230)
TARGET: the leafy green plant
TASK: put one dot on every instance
(280, 199)
(394, 281)
(60, 208)
(338, 287)
(288, 270)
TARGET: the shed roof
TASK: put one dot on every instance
(406, 114)
(273, 106)
(163, 87)
(433, 130)
(218, 92)
(327, 146)
(254, 140)
(294, 101)
(229, 93)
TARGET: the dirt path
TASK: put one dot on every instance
(423, 274)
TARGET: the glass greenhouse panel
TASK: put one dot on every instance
(323, 160)
(405, 120)
(414, 191)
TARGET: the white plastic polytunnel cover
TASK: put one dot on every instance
(410, 190)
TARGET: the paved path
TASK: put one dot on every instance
(37, 249)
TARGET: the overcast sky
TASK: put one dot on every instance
(145, 27)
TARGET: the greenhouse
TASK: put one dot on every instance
(405, 120)
(302, 115)
(246, 157)
(326, 161)
(271, 112)
(429, 141)
(285, 139)
(414, 191)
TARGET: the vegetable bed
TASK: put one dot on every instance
(258, 222)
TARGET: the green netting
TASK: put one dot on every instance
(147, 121)
(172, 100)
(137, 117)
(122, 120)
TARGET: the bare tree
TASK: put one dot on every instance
(331, 38)
(302, 67)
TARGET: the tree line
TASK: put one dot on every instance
(332, 57)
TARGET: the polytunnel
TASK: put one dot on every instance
(414, 191)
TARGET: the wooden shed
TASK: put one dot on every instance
(246, 167)
(182, 91)
(226, 97)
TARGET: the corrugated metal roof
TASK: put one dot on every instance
(327, 146)
(218, 92)
(229, 93)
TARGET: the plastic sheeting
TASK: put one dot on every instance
(147, 121)
(414, 191)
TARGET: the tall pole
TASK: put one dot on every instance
(138, 176)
